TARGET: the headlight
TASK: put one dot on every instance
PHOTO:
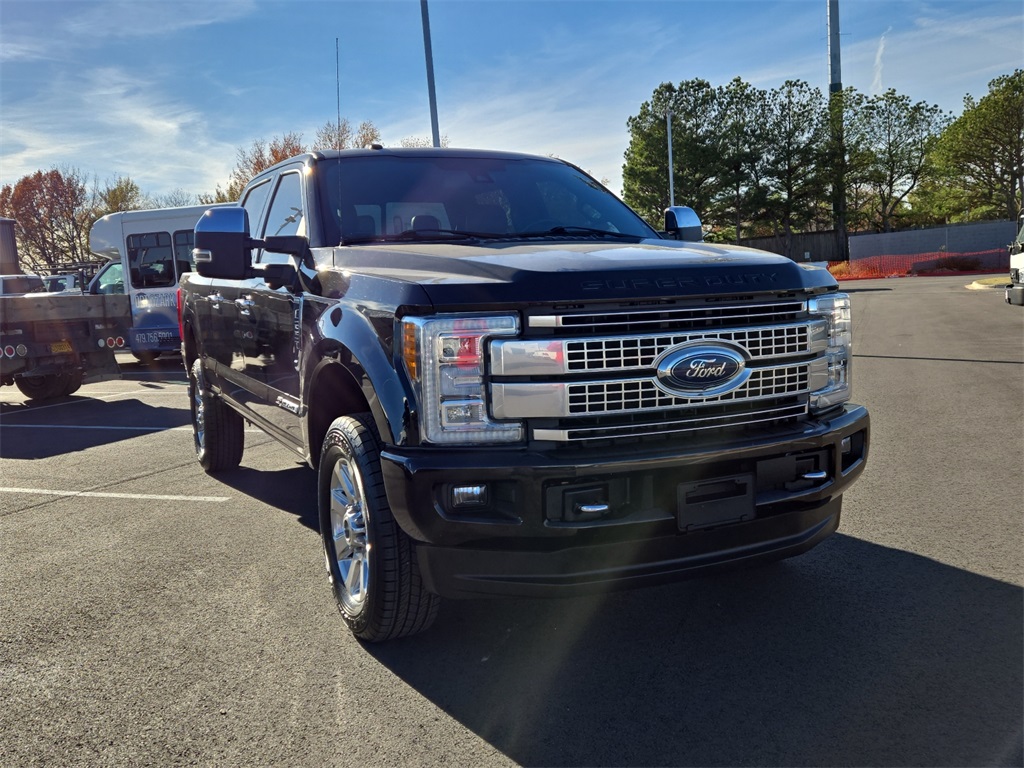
(835, 308)
(444, 356)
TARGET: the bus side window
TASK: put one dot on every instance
(183, 242)
(151, 258)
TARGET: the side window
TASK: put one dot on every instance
(110, 280)
(254, 202)
(151, 260)
(285, 216)
(183, 242)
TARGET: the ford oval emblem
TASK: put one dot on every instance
(702, 369)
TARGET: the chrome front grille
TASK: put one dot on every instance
(594, 375)
(641, 351)
(764, 413)
(645, 395)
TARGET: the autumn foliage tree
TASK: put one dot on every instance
(262, 154)
(53, 212)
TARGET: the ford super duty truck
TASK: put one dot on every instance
(510, 384)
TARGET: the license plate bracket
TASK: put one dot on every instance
(717, 501)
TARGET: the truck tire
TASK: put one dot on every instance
(46, 387)
(371, 562)
(218, 431)
(73, 381)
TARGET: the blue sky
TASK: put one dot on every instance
(167, 91)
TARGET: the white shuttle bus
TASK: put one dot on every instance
(149, 250)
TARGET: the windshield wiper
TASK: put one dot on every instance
(575, 230)
(409, 234)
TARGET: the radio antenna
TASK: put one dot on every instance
(337, 79)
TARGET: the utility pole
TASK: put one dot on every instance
(430, 74)
(835, 108)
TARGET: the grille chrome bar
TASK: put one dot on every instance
(634, 353)
(673, 426)
(549, 399)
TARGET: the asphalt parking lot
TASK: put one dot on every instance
(151, 614)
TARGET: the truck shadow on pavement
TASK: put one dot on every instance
(291, 490)
(854, 654)
(33, 432)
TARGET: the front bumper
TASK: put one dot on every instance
(466, 573)
(661, 512)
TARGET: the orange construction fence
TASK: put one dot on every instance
(936, 263)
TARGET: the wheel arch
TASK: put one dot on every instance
(336, 390)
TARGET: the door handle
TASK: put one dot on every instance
(244, 304)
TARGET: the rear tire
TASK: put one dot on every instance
(46, 387)
(371, 562)
(217, 429)
(73, 381)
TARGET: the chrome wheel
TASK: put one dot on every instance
(199, 412)
(348, 532)
(371, 562)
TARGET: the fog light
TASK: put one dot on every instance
(461, 412)
(847, 445)
(469, 496)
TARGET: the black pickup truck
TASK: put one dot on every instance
(510, 384)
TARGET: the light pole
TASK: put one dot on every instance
(430, 73)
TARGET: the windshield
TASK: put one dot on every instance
(388, 197)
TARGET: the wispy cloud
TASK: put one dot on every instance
(92, 26)
(122, 118)
(131, 18)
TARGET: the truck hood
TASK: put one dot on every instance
(578, 271)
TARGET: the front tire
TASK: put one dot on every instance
(217, 430)
(371, 562)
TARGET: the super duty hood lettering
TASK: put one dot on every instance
(753, 279)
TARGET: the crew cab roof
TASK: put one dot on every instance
(329, 154)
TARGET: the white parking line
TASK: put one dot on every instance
(101, 495)
(4, 425)
(87, 426)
